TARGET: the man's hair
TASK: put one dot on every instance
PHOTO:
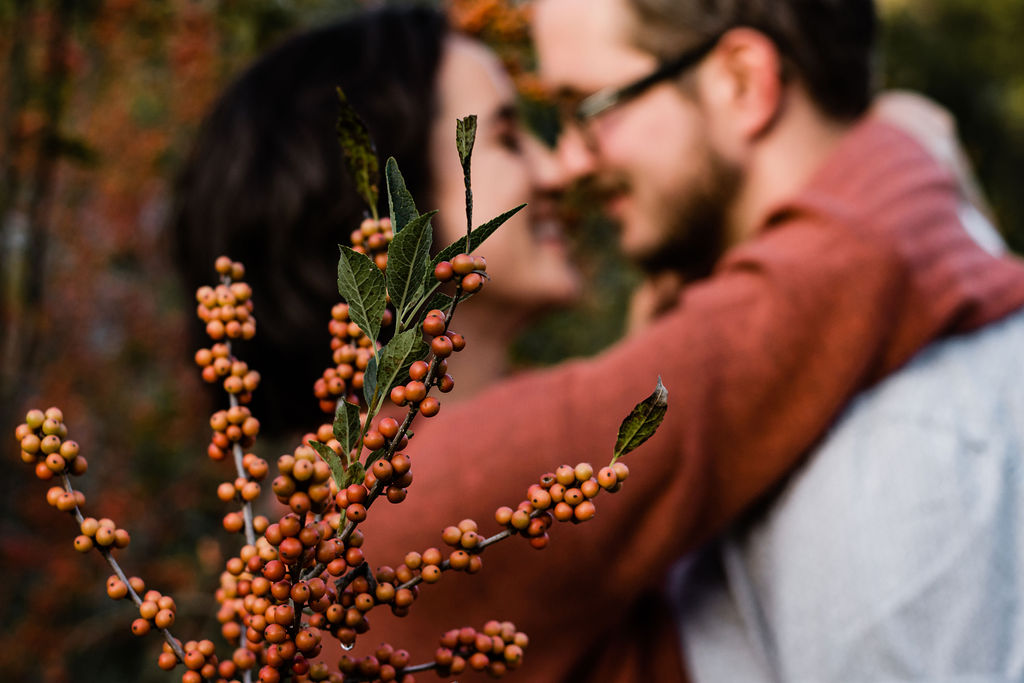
(827, 44)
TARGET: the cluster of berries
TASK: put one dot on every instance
(217, 362)
(156, 610)
(245, 488)
(565, 495)
(97, 532)
(385, 664)
(372, 238)
(201, 663)
(44, 442)
(304, 481)
(465, 542)
(231, 427)
(443, 343)
(496, 649)
(391, 477)
(227, 308)
(468, 271)
(351, 352)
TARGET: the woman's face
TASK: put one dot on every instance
(527, 257)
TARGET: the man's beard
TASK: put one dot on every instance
(696, 235)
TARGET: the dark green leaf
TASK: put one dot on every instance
(419, 352)
(353, 475)
(370, 382)
(390, 360)
(360, 155)
(642, 421)
(375, 456)
(408, 257)
(346, 425)
(337, 465)
(361, 285)
(400, 202)
(476, 238)
(465, 136)
(438, 300)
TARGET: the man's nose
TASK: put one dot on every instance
(576, 158)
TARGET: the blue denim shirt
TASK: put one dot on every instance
(896, 553)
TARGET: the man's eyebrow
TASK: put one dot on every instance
(567, 93)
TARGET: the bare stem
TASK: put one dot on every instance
(236, 450)
(446, 565)
(415, 668)
(109, 557)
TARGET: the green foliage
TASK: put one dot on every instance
(361, 285)
(387, 366)
(966, 55)
(465, 136)
(408, 258)
(400, 202)
(465, 245)
(642, 421)
(338, 470)
(346, 425)
(359, 153)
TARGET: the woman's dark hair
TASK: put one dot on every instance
(266, 183)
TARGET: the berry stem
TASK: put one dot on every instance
(236, 450)
(414, 668)
(414, 311)
(446, 565)
(109, 557)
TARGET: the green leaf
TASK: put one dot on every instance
(400, 202)
(419, 352)
(408, 258)
(346, 425)
(476, 238)
(465, 136)
(360, 154)
(642, 421)
(353, 475)
(440, 301)
(375, 456)
(361, 284)
(390, 361)
(333, 460)
(370, 384)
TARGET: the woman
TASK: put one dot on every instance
(266, 184)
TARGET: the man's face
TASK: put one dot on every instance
(652, 157)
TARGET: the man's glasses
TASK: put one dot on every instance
(584, 111)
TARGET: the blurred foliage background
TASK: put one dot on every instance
(98, 102)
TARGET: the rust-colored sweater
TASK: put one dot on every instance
(842, 285)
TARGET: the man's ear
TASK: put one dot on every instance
(744, 81)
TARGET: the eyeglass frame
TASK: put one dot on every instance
(608, 98)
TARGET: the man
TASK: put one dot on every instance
(826, 252)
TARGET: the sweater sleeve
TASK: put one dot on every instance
(758, 361)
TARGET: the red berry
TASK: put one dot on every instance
(430, 406)
(443, 271)
(472, 283)
(418, 370)
(463, 264)
(441, 347)
(433, 325)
